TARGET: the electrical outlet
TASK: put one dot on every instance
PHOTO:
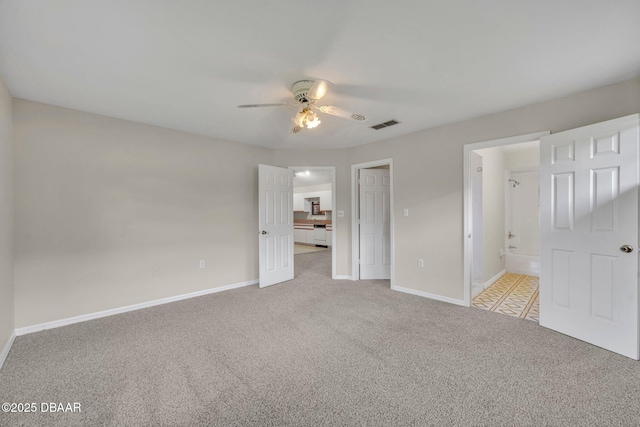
(201, 263)
(406, 212)
(420, 263)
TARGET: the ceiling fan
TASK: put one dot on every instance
(306, 93)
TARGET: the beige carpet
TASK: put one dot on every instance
(317, 352)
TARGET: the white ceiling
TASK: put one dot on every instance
(310, 177)
(187, 65)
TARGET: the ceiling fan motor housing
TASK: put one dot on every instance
(300, 90)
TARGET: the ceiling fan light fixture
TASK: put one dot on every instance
(307, 118)
(306, 93)
(312, 120)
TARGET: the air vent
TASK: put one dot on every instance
(385, 124)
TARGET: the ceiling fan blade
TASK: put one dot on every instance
(268, 105)
(296, 129)
(318, 90)
(339, 112)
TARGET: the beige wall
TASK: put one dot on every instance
(6, 217)
(111, 213)
(427, 168)
(101, 203)
(493, 210)
(525, 159)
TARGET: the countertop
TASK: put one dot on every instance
(312, 221)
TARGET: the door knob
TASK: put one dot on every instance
(627, 249)
(264, 232)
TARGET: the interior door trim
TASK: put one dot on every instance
(355, 214)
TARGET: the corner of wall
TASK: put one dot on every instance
(7, 303)
(6, 349)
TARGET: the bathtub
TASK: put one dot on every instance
(522, 264)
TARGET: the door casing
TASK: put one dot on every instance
(355, 214)
(467, 196)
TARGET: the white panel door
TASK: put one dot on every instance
(588, 216)
(275, 208)
(375, 230)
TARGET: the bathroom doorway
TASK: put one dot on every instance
(501, 210)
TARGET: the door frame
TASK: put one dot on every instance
(355, 214)
(334, 224)
(467, 212)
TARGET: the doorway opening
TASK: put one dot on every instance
(588, 183)
(372, 254)
(501, 224)
(314, 198)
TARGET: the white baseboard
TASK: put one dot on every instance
(105, 313)
(342, 277)
(7, 347)
(525, 271)
(494, 279)
(476, 289)
(428, 295)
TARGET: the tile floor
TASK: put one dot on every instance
(513, 294)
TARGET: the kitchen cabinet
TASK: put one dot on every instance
(301, 200)
(309, 237)
(299, 236)
(298, 202)
(307, 233)
(325, 200)
(303, 233)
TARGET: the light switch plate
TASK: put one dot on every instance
(406, 212)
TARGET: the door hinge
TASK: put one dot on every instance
(359, 261)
